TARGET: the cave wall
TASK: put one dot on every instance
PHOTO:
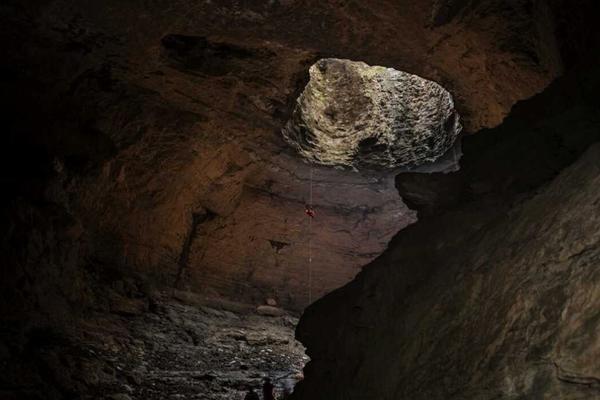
(143, 148)
(129, 123)
(132, 156)
(494, 292)
(519, 318)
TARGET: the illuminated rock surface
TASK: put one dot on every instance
(354, 115)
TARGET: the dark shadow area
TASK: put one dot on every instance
(469, 298)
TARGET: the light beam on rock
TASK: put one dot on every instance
(358, 116)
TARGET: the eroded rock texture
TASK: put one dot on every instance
(145, 137)
(190, 184)
(354, 115)
(495, 292)
(153, 348)
(143, 142)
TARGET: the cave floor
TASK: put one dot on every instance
(178, 350)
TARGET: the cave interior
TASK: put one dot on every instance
(300, 199)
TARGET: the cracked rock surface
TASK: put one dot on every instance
(174, 348)
(354, 115)
(495, 292)
(147, 135)
(143, 138)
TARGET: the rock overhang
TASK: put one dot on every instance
(353, 115)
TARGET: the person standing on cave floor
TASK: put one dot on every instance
(268, 390)
(287, 392)
(251, 395)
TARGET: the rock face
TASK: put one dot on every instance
(150, 141)
(520, 321)
(182, 350)
(225, 212)
(495, 292)
(354, 115)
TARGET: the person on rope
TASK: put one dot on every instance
(308, 210)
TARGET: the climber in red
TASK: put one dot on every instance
(308, 210)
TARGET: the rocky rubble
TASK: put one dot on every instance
(174, 350)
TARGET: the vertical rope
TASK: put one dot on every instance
(456, 161)
(311, 189)
(310, 204)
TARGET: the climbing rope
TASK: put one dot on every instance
(454, 154)
(310, 204)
